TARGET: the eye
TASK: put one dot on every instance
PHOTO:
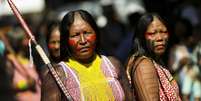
(87, 32)
(74, 35)
(52, 42)
(163, 31)
(149, 33)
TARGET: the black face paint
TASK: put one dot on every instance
(154, 48)
(150, 45)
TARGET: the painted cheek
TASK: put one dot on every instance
(148, 36)
(51, 46)
(91, 38)
(71, 42)
(74, 45)
(151, 44)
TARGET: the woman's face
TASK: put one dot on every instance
(156, 37)
(82, 39)
(54, 43)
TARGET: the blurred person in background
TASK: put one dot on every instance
(53, 41)
(24, 78)
(6, 89)
(86, 73)
(191, 87)
(113, 32)
(180, 53)
(122, 52)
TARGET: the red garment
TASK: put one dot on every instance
(169, 90)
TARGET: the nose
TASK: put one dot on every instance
(159, 36)
(82, 39)
(57, 45)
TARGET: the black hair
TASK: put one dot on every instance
(139, 47)
(50, 27)
(66, 22)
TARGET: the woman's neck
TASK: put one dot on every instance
(88, 61)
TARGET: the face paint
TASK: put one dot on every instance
(87, 38)
(91, 38)
(54, 43)
(150, 44)
(71, 42)
(82, 39)
(156, 37)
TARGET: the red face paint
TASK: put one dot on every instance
(54, 43)
(50, 46)
(91, 38)
(149, 35)
(156, 37)
(71, 42)
(82, 39)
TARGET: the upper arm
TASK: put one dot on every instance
(122, 78)
(49, 89)
(146, 81)
(116, 63)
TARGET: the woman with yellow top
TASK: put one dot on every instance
(86, 74)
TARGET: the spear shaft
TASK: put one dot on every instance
(21, 20)
(39, 50)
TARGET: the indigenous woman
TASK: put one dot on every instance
(86, 74)
(148, 76)
(53, 41)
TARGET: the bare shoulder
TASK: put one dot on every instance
(145, 80)
(116, 63)
(145, 65)
(49, 88)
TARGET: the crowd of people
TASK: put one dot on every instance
(153, 57)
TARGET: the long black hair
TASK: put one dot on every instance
(66, 22)
(51, 26)
(139, 47)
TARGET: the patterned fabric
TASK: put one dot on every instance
(71, 82)
(168, 90)
(107, 77)
(112, 78)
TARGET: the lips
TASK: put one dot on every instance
(83, 49)
(160, 46)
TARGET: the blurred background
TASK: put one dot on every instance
(116, 20)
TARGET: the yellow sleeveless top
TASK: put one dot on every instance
(93, 84)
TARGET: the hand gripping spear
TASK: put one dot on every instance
(39, 50)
